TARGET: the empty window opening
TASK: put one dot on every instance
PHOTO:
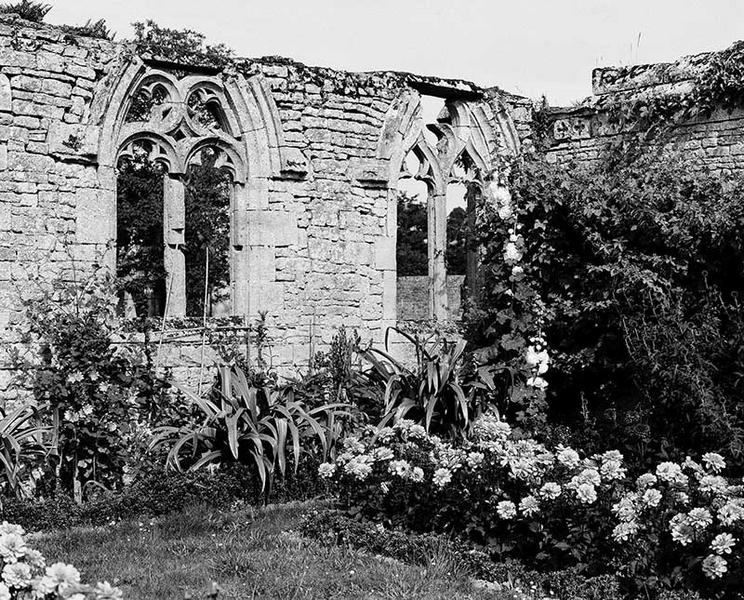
(206, 250)
(139, 234)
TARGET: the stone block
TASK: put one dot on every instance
(94, 218)
(6, 96)
(261, 264)
(385, 253)
(272, 228)
(3, 156)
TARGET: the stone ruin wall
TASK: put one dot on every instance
(579, 133)
(318, 150)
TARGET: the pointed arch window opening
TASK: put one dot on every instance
(192, 204)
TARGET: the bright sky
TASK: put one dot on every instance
(530, 47)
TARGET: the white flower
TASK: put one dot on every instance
(568, 457)
(714, 566)
(6, 527)
(623, 531)
(475, 459)
(12, 547)
(511, 252)
(652, 497)
(17, 575)
(380, 454)
(723, 543)
(4, 592)
(550, 490)
(326, 470)
(590, 476)
(385, 434)
(359, 467)
(105, 591)
(442, 477)
(626, 509)
(517, 270)
(731, 512)
(586, 493)
(529, 506)
(713, 484)
(400, 468)
(417, 474)
(714, 461)
(504, 212)
(490, 428)
(682, 531)
(506, 509)
(537, 382)
(670, 472)
(645, 481)
(612, 470)
(700, 518)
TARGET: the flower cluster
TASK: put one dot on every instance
(700, 509)
(25, 574)
(516, 481)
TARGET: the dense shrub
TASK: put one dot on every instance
(636, 263)
(27, 9)
(677, 528)
(96, 397)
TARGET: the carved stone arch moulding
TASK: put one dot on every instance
(465, 127)
(174, 119)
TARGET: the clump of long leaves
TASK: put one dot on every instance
(21, 443)
(257, 426)
(445, 390)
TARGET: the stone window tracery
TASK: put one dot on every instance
(185, 131)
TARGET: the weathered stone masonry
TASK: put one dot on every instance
(580, 132)
(314, 156)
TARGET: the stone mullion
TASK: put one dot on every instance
(437, 234)
(174, 217)
(239, 267)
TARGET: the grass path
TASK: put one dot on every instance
(250, 555)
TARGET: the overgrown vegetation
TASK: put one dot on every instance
(31, 10)
(183, 46)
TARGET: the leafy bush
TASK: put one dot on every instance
(21, 447)
(95, 396)
(93, 29)
(249, 425)
(683, 526)
(626, 259)
(509, 494)
(27, 9)
(445, 391)
(181, 46)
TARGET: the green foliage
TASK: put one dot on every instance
(95, 396)
(27, 9)
(650, 247)
(208, 230)
(183, 46)
(411, 252)
(93, 29)
(249, 425)
(717, 86)
(456, 256)
(21, 447)
(140, 268)
(445, 391)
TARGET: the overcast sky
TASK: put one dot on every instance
(530, 47)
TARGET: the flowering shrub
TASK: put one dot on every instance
(25, 575)
(688, 520)
(510, 494)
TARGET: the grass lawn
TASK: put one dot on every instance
(250, 554)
